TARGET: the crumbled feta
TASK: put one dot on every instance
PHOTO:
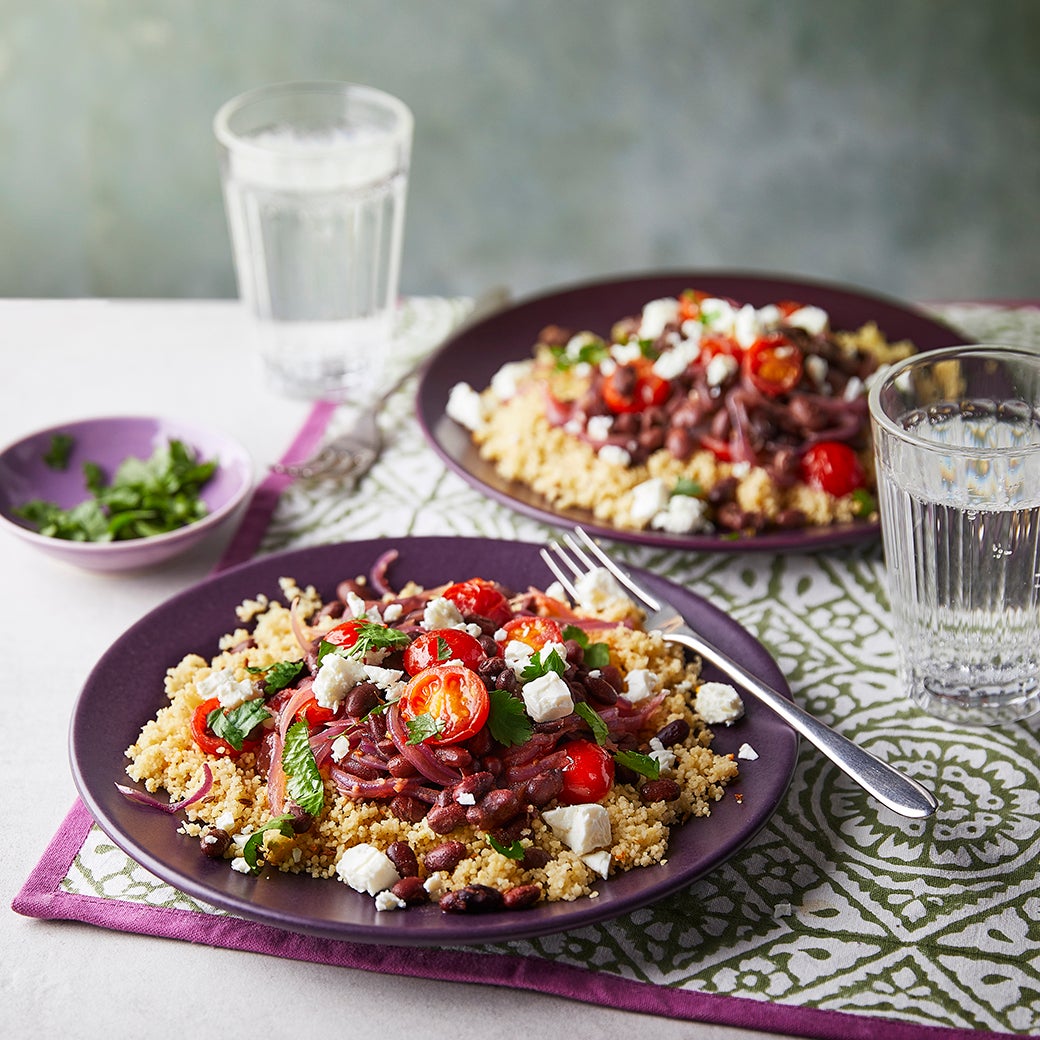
(664, 757)
(384, 678)
(598, 427)
(340, 748)
(746, 751)
(386, 900)
(769, 315)
(517, 654)
(466, 407)
(746, 326)
(718, 703)
(367, 869)
(817, 368)
(626, 353)
(355, 605)
(392, 612)
(718, 314)
(336, 677)
(648, 499)
(577, 342)
(813, 320)
(223, 685)
(639, 684)
(583, 828)
(657, 315)
(614, 455)
(465, 798)
(436, 885)
(505, 383)
(555, 591)
(239, 864)
(548, 697)
(441, 613)
(672, 363)
(720, 368)
(683, 515)
(853, 388)
(598, 861)
(598, 590)
(225, 821)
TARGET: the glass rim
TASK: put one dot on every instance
(231, 140)
(928, 357)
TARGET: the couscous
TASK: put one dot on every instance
(697, 415)
(466, 745)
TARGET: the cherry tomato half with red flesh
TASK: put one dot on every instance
(715, 343)
(635, 387)
(453, 695)
(480, 597)
(440, 646)
(206, 739)
(312, 711)
(788, 307)
(589, 773)
(774, 365)
(833, 467)
(534, 631)
(690, 301)
(345, 634)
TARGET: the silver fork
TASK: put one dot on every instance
(899, 793)
(354, 452)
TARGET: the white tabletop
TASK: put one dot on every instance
(73, 359)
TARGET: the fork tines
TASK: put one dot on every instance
(598, 558)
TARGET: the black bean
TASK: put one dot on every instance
(534, 858)
(361, 700)
(214, 842)
(674, 732)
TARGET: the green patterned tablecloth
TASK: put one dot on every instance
(836, 904)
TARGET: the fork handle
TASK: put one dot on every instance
(899, 793)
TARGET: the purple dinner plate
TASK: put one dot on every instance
(479, 350)
(125, 689)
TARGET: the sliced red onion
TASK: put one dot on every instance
(377, 576)
(384, 787)
(419, 756)
(141, 798)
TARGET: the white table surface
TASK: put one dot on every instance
(76, 358)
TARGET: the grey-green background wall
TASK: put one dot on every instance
(892, 145)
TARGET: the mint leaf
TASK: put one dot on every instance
(514, 850)
(277, 676)
(304, 784)
(507, 720)
(251, 851)
(235, 724)
(423, 727)
(599, 729)
(639, 763)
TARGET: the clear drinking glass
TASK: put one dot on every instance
(315, 177)
(957, 445)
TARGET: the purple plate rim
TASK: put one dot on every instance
(518, 323)
(111, 708)
(240, 459)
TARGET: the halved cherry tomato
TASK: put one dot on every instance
(788, 307)
(833, 467)
(715, 343)
(345, 634)
(773, 364)
(207, 740)
(635, 387)
(441, 645)
(589, 773)
(718, 446)
(312, 711)
(453, 695)
(534, 631)
(481, 597)
(690, 301)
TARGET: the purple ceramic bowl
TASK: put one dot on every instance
(24, 475)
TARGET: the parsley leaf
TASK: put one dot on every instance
(251, 851)
(443, 650)
(591, 352)
(422, 727)
(514, 850)
(599, 728)
(639, 763)
(235, 724)
(304, 781)
(278, 675)
(507, 720)
(370, 635)
(538, 667)
(686, 486)
(597, 655)
(863, 503)
(57, 455)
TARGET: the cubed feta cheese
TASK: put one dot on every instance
(441, 613)
(598, 427)
(648, 499)
(664, 757)
(505, 383)
(718, 314)
(672, 363)
(583, 828)
(598, 861)
(517, 655)
(336, 677)
(598, 590)
(223, 685)
(639, 684)
(720, 368)
(367, 869)
(746, 326)
(746, 751)
(813, 319)
(614, 455)
(548, 697)
(718, 703)
(466, 407)
(340, 748)
(683, 514)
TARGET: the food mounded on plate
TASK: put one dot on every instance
(699, 414)
(468, 745)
